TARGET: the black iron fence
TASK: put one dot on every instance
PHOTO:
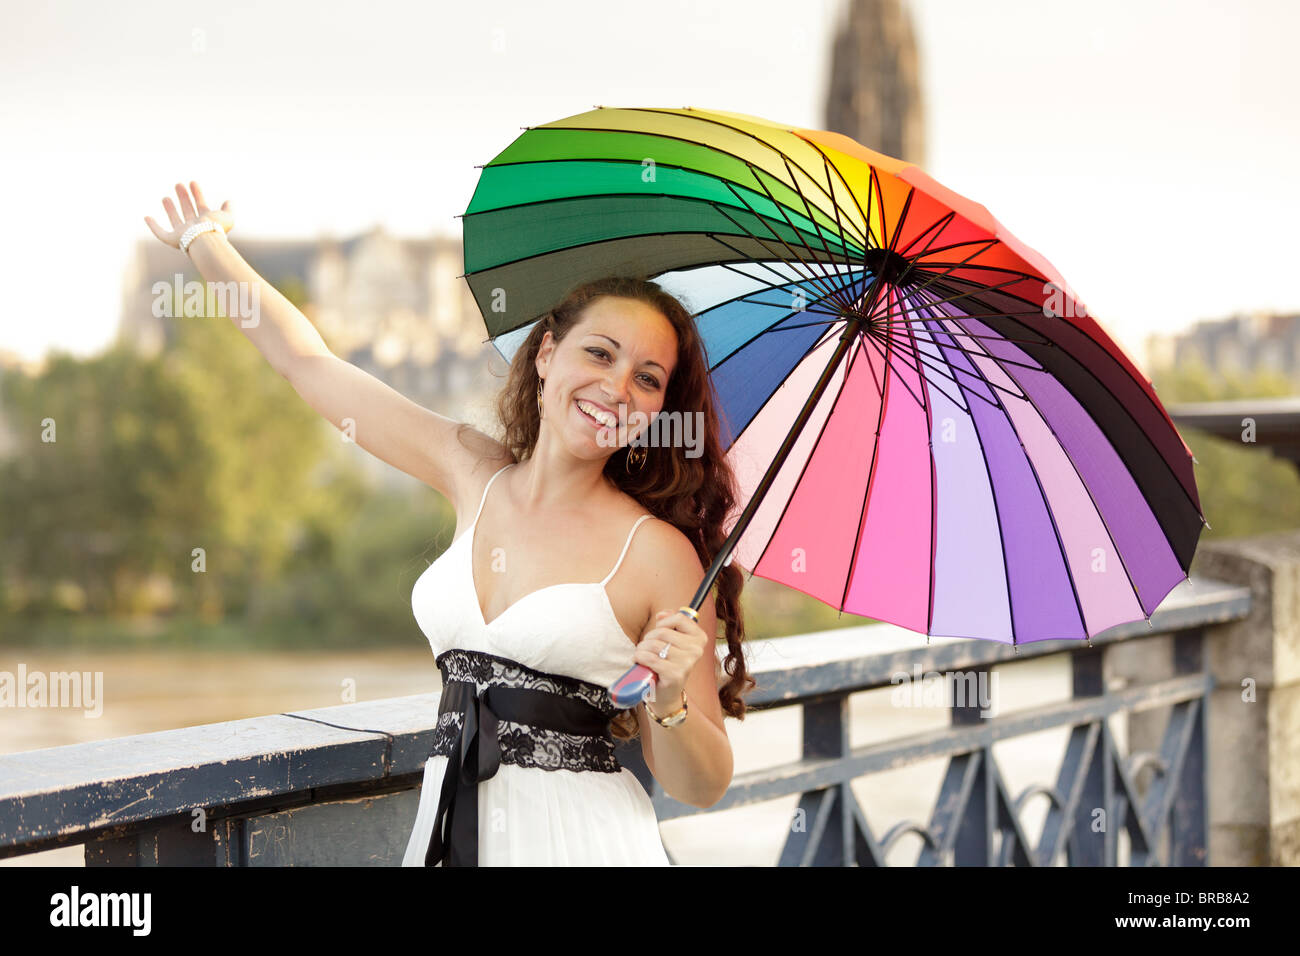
(340, 785)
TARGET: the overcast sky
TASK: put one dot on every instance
(1145, 148)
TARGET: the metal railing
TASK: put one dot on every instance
(339, 785)
(976, 820)
(1274, 423)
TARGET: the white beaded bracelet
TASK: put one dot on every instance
(189, 235)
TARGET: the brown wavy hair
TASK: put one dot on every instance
(694, 495)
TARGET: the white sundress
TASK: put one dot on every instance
(564, 639)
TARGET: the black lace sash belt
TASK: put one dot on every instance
(474, 751)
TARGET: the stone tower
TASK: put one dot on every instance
(875, 83)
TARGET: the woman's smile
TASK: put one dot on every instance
(588, 418)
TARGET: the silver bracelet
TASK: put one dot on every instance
(189, 235)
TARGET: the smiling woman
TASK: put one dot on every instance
(527, 633)
(548, 588)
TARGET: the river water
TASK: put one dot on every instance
(146, 691)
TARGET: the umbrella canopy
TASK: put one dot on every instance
(926, 425)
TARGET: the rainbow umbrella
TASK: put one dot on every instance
(927, 426)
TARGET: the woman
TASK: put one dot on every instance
(522, 769)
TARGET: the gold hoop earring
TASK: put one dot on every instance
(640, 460)
(539, 398)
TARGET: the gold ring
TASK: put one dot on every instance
(690, 612)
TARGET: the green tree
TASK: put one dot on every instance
(1244, 490)
(100, 477)
(202, 447)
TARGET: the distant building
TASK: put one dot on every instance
(1238, 345)
(875, 94)
(397, 308)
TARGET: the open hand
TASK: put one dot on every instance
(190, 213)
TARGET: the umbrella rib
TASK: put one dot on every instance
(776, 258)
(804, 325)
(873, 185)
(879, 382)
(794, 181)
(893, 239)
(872, 293)
(816, 344)
(681, 139)
(963, 242)
(890, 331)
(915, 398)
(915, 260)
(1020, 276)
(1060, 544)
(759, 334)
(920, 320)
(809, 276)
(934, 474)
(803, 469)
(871, 472)
(872, 296)
(812, 275)
(743, 132)
(977, 290)
(938, 275)
(902, 218)
(997, 514)
(972, 294)
(902, 344)
(912, 262)
(940, 370)
(808, 208)
(532, 257)
(749, 258)
(866, 218)
(835, 203)
(785, 283)
(870, 235)
(838, 316)
(941, 223)
(896, 375)
(808, 459)
(1052, 343)
(943, 325)
(922, 358)
(999, 359)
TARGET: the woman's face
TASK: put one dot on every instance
(617, 357)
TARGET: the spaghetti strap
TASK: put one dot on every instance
(626, 545)
(483, 500)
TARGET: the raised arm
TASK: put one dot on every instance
(390, 426)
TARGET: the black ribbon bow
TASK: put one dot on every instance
(476, 754)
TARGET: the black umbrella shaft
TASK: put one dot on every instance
(846, 338)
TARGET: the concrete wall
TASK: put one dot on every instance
(1254, 716)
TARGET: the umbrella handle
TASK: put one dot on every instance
(639, 682)
(636, 685)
